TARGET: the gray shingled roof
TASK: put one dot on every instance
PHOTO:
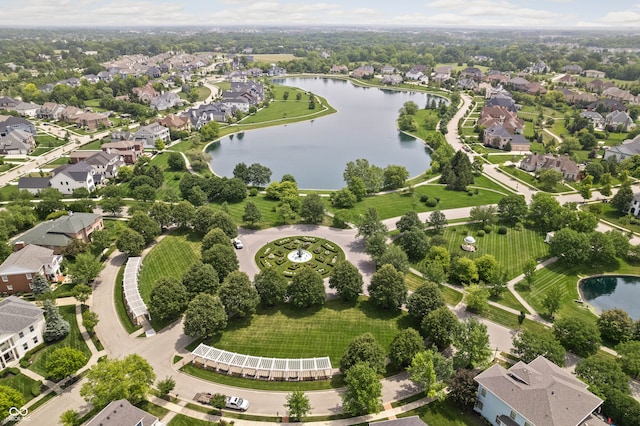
(52, 233)
(16, 315)
(27, 260)
(403, 421)
(560, 398)
(33, 182)
(122, 413)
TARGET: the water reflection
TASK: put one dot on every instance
(613, 292)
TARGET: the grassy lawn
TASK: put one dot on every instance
(182, 420)
(224, 379)
(23, 384)
(287, 332)
(397, 203)
(121, 310)
(73, 339)
(511, 250)
(501, 158)
(59, 161)
(153, 409)
(171, 178)
(610, 214)
(531, 180)
(510, 320)
(171, 257)
(324, 255)
(93, 146)
(445, 413)
(451, 296)
(267, 208)
(39, 151)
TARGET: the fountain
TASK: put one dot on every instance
(299, 256)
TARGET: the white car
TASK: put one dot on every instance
(236, 403)
(238, 244)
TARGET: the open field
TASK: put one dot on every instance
(273, 57)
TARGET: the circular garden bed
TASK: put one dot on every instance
(282, 255)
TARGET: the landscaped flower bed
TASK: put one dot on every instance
(324, 255)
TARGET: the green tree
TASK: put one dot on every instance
(571, 246)
(225, 222)
(439, 326)
(409, 221)
(166, 385)
(219, 401)
(512, 208)
(81, 293)
(371, 175)
(70, 418)
(464, 271)
(431, 371)
(64, 361)
(39, 285)
(395, 176)
(344, 198)
(252, 214)
(85, 268)
(615, 325)
(346, 279)
(528, 345)
(375, 246)
(56, 327)
(271, 286)
(258, 174)
(458, 173)
(424, 300)
(168, 299)
(10, 397)
(90, 321)
(370, 224)
(476, 298)
(387, 288)
(487, 266)
(437, 221)
(529, 271)
(201, 278)
(544, 212)
(472, 343)
(312, 210)
(214, 236)
(415, 243)
(161, 213)
(182, 213)
(357, 187)
(602, 375)
(578, 335)
(363, 391)
(363, 349)
(128, 378)
(101, 239)
(404, 346)
(623, 198)
(223, 257)
(130, 242)
(210, 131)
(205, 316)
(144, 225)
(298, 405)
(549, 178)
(486, 215)
(176, 162)
(112, 205)
(306, 289)
(552, 300)
(463, 389)
(238, 295)
(629, 353)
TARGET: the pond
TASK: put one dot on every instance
(611, 291)
(316, 152)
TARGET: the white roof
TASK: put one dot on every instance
(130, 287)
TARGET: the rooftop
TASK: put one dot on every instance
(16, 314)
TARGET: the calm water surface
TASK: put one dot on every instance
(613, 292)
(316, 152)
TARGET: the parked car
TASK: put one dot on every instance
(237, 243)
(236, 403)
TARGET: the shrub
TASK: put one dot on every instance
(424, 198)
(502, 230)
(518, 227)
(253, 192)
(35, 389)
(24, 363)
(487, 229)
(481, 233)
(431, 203)
(470, 193)
(438, 199)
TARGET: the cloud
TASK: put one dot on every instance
(627, 18)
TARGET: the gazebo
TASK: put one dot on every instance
(468, 243)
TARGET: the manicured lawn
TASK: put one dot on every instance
(59, 161)
(182, 420)
(267, 208)
(224, 379)
(47, 141)
(445, 413)
(171, 178)
(284, 331)
(73, 339)
(324, 255)
(396, 204)
(23, 384)
(509, 300)
(39, 151)
(500, 158)
(510, 320)
(531, 180)
(93, 145)
(171, 257)
(511, 250)
(610, 214)
(451, 296)
(153, 409)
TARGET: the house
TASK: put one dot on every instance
(363, 71)
(33, 184)
(635, 205)
(572, 69)
(567, 80)
(26, 109)
(598, 86)
(175, 122)
(503, 101)
(50, 111)
(606, 105)
(539, 68)
(467, 84)
(339, 69)
(414, 74)
(105, 164)
(165, 101)
(8, 103)
(536, 394)
(10, 123)
(17, 271)
(497, 91)
(387, 69)
(392, 79)
(562, 164)
(123, 413)
(81, 155)
(145, 93)
(21, 327)
(619, 95)
(402, 421)
(535, 88)
(490, 115)
(595, 118)
(17, 142)
(627, 149)
(439, 77)
(90, 120)
(594, 74)
(472, 73)
(618, 121)
(130, 150)
(497, 136)
(275, 71)
(58, 233)
(91, 78)
(68, 177)
(219, 112)
(150, 133)
(518, 83)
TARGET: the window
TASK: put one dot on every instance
(9, 287)
(513, 415)
(21, 335)
(25, 346)
(29, 276)
(479, 404)
(527, 424)
(5, 278)
(483, 392)
(35, 340)
(31, 328)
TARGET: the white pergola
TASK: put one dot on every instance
(262, 368)
(135, 305)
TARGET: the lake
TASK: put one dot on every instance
(316, 152)
(607, 292)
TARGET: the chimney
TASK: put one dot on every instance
(18, 245)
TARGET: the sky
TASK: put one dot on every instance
(559, 14)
